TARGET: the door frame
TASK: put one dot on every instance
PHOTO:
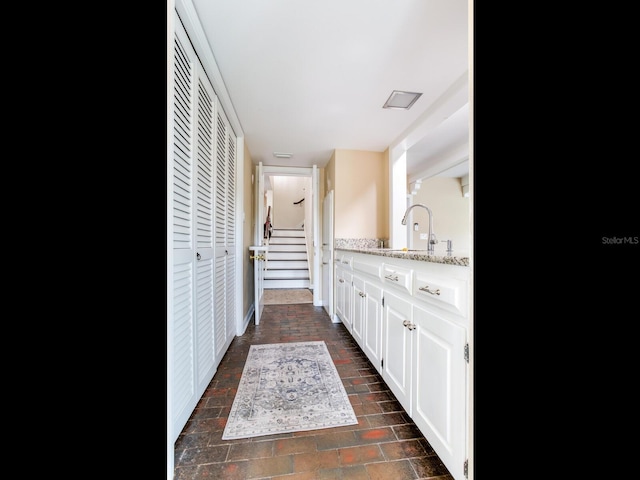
(312, 172)
(328, 291)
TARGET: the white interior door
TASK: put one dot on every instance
(258, 255)
(327, 254)
(259, 249)
(259, 206)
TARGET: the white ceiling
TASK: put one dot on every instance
(307, 77)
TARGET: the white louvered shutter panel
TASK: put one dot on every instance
(204, 233)
(231, 234)
(183, 367)
(222, 251)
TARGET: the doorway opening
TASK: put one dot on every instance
(287, 212)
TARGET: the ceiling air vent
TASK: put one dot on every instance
(401, 100)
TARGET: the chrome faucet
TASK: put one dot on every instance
(432, 236)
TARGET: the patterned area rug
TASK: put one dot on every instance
(280, 296)
(288, 387)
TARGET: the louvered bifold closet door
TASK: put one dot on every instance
(183, 382)
(205, 139)
(225, 227)
(231, 234)
(193, 352)
(222, 249)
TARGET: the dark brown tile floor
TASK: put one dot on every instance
(385, 445)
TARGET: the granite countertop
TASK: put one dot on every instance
(456, 258)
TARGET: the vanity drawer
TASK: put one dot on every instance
(346, 261)
(398, 276)
(447, 293)
(367, 267)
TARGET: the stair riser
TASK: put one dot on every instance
(286, 284)
(287, 264)
(287, 248)
(286, 241)
(287, 232)
(286, 274)
(287, 256)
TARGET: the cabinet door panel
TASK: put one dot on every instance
(439, 382)
(396, 370)
(341, 292)
(359, 309)
(348, 300)
(372, 340)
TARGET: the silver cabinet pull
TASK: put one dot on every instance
(391, 277)
(362, 294)
(409, 325)
(432, 292)
(341, 281)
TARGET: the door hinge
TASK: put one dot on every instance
(466, 352)
(383, 301)
(381, 363)
(466, 468)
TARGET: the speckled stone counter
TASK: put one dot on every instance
(420, 255)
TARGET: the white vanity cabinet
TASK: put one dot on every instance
(410, 317)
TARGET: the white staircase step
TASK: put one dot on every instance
(286, 283)
(287, 248)
(287, 264)
(287, 232)
(286, 241)
(285, 274)
(287, 255)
